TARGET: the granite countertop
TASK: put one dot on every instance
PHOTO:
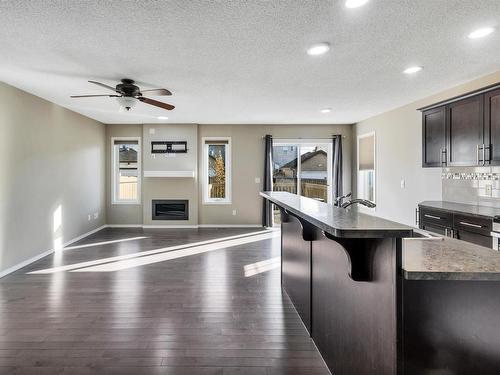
(449, 259)
(460, 208)
(337, 221)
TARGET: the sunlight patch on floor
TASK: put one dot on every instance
(261, 267)
(169, 255)
(271, 233)
(103, 243)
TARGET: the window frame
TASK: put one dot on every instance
(375, 167)
(228, 167)
(115, 168)
(299, 143)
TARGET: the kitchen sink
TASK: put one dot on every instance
(419, 234)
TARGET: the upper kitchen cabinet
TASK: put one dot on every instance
(465, 132)
(492, 127)
(434, 137)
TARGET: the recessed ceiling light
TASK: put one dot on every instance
(326, 110)
(355, 3)
(412, 70)
(481, 33)
(318, 49)
(162, 118)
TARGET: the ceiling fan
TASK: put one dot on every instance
(127, 94)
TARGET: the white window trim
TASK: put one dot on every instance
(361, 136)
(299, 142)
(206, 199)
(114, 171)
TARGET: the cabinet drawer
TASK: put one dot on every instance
(434, 229)
(436, 217)
(474, 224)
(475, 238)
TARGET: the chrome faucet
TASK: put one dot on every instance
(339, 200)
(364, 202)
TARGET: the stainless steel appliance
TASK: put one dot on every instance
(495, 233)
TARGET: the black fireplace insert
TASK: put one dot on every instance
(169, 209)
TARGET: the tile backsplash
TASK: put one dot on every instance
(472, 185)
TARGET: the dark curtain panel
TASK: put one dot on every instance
(337, 167)
(267, 216)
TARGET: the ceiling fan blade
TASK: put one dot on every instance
(158, 92)
(156, 103)
(103, 85)
(92, 96)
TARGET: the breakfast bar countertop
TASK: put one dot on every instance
(339, 222)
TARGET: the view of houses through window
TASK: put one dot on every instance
(310, 177)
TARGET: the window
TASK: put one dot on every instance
(311, 177)
(217, 170)
(366, 167)
(126, 170)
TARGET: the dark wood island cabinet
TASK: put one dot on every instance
(377, 300)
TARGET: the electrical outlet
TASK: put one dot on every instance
(96, 215)
(89, 218)
(152, 130)
(488, 190)
(234, 212)
(257, 180)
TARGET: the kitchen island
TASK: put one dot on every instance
(370, 297)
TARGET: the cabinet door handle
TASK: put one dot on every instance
(484, 155)
(443, 156)
(416, 216)
(477, 154)
(471, 225)
(432, 217)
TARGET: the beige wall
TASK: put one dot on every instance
(247, 146)
(50, 157)
(399, 156)
(247, 164)
(170, 188)
(122, 214)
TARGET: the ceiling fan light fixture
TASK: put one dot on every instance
(127, 102)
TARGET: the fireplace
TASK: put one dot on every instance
(169, 209)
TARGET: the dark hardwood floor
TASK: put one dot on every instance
(137, 306)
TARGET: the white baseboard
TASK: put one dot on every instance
(25, 263)
(48, 252)
(182, 226)
(170, 226)
(123, 226)
(229, 226)
(84, 235)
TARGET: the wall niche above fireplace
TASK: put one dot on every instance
(170, 209)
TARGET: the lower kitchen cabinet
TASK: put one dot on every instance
(435, 229)
(475, 238)
(470, 228)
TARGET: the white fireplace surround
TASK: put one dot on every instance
(176, 174)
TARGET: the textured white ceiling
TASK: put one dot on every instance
(240, 61)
